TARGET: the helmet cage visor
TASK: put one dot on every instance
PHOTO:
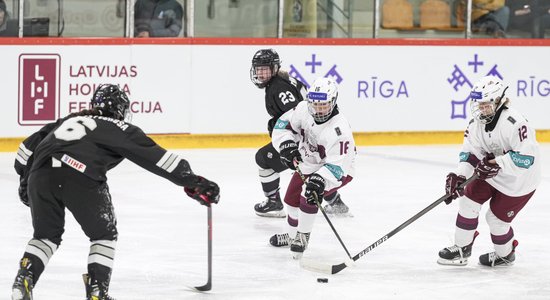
(484, 107)
(260, 75)
(264, 60)
(484, 112)
(319, 105)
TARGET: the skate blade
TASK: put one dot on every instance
(343, 215)
(279, 246)
(297, 255)
(497, 266)
(273, 214)
(453, 262)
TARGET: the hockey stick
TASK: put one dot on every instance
(322, 209)
(333, 269)
(208, 285)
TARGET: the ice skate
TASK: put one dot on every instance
(280, 240)
(271, 207)
(455, 255)
(94, 291)
(493, 260)
(337, 208)
(24, 283)
(299, 244)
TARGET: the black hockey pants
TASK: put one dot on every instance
(51, 189)
(268, 158)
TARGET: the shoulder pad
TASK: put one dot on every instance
(512, 120)
(283, 75)
(471, 121)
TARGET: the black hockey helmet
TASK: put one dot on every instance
(264, 57)
(111, 102)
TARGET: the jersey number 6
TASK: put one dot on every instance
(74, 128)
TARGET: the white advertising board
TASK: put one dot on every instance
(206, 88)
(41, 83)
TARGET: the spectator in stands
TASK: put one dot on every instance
(158, 18)
(4, 16)
(530, 15)
(488, 16)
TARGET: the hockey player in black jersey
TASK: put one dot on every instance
(64, 165)
(282, 93)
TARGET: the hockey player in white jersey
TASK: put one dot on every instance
(501, 148)
(318, 138)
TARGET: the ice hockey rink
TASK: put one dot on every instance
(163, 236)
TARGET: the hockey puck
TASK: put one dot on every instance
(322, 280)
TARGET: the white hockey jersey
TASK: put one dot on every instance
(327, 149)
(514, 144)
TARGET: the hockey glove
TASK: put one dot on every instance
(23, 196)
(204, 191)
(315, 189)
(486, 169)
(452, 186)
(289, 152)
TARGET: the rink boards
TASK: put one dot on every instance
(196, 93)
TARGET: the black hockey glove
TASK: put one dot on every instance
(204, 191)
(289, 152)
(23, 196)
(452, 187)
(315, 189)
(486, 169)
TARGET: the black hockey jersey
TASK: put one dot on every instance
(92, 145)
(281, 95)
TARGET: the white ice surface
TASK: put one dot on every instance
(162, 236)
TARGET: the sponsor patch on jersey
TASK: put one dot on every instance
(335, 170)
(338, 131)
(464, 156)
(73, 163)
(512, 120)
(522, 161)
(280, 124)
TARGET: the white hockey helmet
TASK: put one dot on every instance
(486, 98)
(321, 98)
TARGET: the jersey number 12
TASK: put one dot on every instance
(522, 133)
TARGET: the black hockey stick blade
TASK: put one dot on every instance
(208, 285)
(317, 266)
